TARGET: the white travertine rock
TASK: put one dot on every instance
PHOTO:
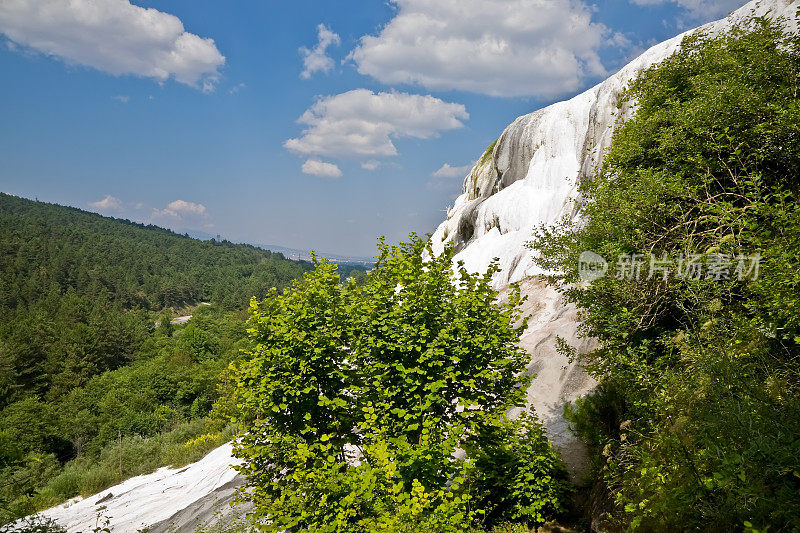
(530, 179)
(142, 501)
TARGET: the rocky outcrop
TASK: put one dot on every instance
(163, 496)
(530, 178)
(218, 506)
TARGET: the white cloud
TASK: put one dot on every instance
(448, 176)
(321, 169)
(699, 10)
(448, 171)
(107, 204)
(236, 88)
(362, 124)
(317, 59)
(113, 36)
(122, 98)
(371, 165)
(619, 40)
(178, 214)
(180, 210)
(539, 48)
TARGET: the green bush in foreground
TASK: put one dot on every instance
(518, 474)
(357, 399)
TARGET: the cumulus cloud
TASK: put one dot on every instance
(448, 171)
(321, 169)
(316, 59)
(108, 204)
(114, 36)
(362, 124)
(371, 165)
(700, 10)
(122, 98)
(538, 48)
(180, 209)
(619, 40)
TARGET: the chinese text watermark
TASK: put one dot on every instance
(712, 267)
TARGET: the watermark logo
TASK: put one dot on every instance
(712, 267)
(591, 266)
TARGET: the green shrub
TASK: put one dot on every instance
(695, 424)
(519, 474)
(66, 484)
(96, 479)
(358, 397)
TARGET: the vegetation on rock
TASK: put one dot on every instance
(696, 420)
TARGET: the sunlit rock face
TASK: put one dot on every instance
(530, 178)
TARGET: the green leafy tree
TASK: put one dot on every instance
(165, 325)
(695, 424)
(518, 475)
(199, 344)
(357, 397)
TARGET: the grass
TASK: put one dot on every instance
(488, 152)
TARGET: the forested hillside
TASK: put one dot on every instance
(76, 289)
(84, 365)
(47, 249)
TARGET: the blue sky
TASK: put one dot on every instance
(184, 113)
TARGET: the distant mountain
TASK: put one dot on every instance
(290, 253)
(301, 255)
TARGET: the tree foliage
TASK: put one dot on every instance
(77, 291)
(695, 424)
(357, 398)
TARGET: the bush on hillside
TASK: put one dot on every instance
(695, 424)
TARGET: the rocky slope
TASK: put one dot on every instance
(153, 501)
(530, 178)
(527, 179)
